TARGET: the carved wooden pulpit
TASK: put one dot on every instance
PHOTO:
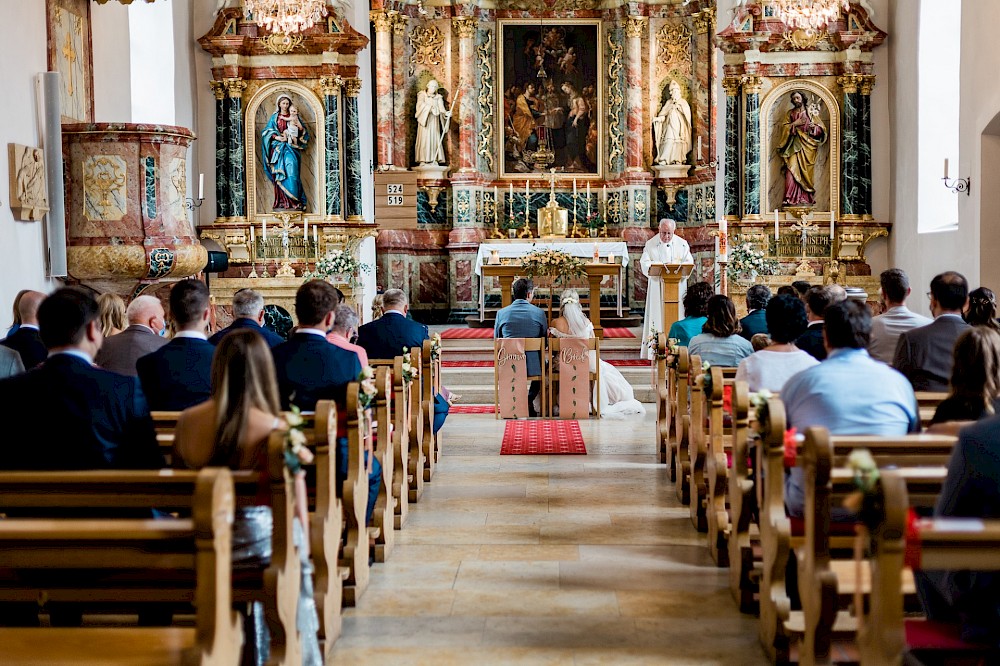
(672, 275)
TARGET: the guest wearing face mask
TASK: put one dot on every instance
(144, 335)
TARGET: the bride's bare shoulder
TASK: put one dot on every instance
(560, 324)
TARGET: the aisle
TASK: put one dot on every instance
(548, 560)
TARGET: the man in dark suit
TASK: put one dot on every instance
(521, 319)
(26, 340)
(68, 414)
(756, 320)
(386, 336)
(248, 312)
(311, 369)
(146, 323)
(179, 374)
(924, 354)
(817, 300)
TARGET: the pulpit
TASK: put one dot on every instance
(672, 275)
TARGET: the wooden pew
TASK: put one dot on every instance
(698, 447)
(721, 440)
(200, 544)
(430, 382)
(688, 368)
(927, 403)
(404, 453)
(385, 507)
(664, 412)
(354, 554)
(418, 457)
(944, 544)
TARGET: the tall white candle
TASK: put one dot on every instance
(723, 225)
(831, 225)
(698, 156)
(775, 225)
(574, 201)
(253, 240)
(305, 232)
(588, 198)
(316, 240)
(527, 201)
(263, 228)
(201, 186)
(946, 168)
(496, 205)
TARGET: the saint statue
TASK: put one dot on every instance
(672, 129)
(432, 119)
(801, 137)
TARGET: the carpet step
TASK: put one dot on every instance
(478, 394)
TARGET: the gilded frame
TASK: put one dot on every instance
(80, 94)
(506, 65)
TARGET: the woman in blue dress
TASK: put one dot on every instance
(281, 150)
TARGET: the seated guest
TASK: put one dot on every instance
(26, 340)
(144, 335)
(982, 309)
(896, 318)
(16, 322)
(231, 429)
(760, 341)
(310, 369)
(345, 327)
(801, 288)
(787, 290)
(378, 308)
(975, 377)
(695, 306)
(521, 319)
(386, 336)
(771, 367)
(248, 312)
(179, 374)
(817, 300)
(720, 342)
(69, 414)
(10, 363)
(112, 309)
(924, 354)
(849, 394)
(971, 490)
(755, 322)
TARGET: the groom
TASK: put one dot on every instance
(521, 319)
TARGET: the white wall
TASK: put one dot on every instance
(22, 51)
(112, 66)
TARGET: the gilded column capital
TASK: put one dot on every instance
(849, 83)
(380, 19)
(331, 85)
(731, 84)
(398, 23)
(218, 89)
(867, 84)
(704, 20)
(635, 26)
(235, 87)
(352, 87)
(752, 84)
(465, 26)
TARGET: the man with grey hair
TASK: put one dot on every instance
(345, 327)
(664, 248)
(386, 336)
(248, 312)
(144, 335)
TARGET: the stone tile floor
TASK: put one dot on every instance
(573, 560)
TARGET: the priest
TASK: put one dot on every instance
(664, 248)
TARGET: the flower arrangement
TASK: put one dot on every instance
(296, 452)
(593, 221)
(436, 347)
(673, 352)
(338, 262)
(758, 401)
(706, 380)
(747, 261)
(410, 371)
(553, 263)
(366, 396)
(515, 221)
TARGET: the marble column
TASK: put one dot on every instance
(352, 151)
(400, 150)
(221, 150)
(385, 127)
(465, 27)
(635, 27)
(731, 167)
(865, 145)
(330, 85)
(849, 143)
(751, 163)
(237, 182)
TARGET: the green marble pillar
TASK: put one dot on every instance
(731, 182)
(236, 182)
(751, 161)
(850, 187)
(865, 146)
(221, 150)
(352, 151)
(331, 101)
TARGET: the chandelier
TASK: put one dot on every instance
(286, 16)
(808, 14)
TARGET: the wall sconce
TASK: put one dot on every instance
(958, 185)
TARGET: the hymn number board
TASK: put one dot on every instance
(396, 199)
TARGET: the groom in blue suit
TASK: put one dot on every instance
(386, 336)
(521, 319)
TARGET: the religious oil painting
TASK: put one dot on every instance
(799, 162)
(551, 95)
(70, 54)
(286, 149)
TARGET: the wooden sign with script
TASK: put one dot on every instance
(512, 378)
(574, 378)
(396, 199)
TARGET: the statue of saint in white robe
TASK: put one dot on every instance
(677, 251)
(431, 115)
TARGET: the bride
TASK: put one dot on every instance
(616, 398)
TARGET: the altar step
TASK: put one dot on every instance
(609, 319)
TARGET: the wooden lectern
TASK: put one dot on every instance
(671, 275)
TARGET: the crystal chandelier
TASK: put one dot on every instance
(808, 14)
(286, 16)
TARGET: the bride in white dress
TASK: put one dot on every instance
(616, 398)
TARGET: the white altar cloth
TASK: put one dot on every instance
(577, 248)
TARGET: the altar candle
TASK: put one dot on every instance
(527, 201)
(723, 225)
(496, 205)
(611, 257)
(263, 228)
(316, 239)
(946, 168)
(588, 199)
(574, 201)
(253, 241)
(201, 186)
(552, 187)
(775, 225)
(698, 156)
(305, 233)
(831, 225)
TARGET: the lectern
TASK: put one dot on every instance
(671, 275)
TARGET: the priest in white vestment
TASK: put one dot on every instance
(663, 248)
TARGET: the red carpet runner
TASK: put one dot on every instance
(487, 333)
(617, 362)
(472, 409)
(540, 438)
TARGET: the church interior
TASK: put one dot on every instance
(617, 154)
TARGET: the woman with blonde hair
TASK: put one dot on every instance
(112, 309)
(231, 429)
(616, 397)
(378, 307)
(16, 324)
(975, 377)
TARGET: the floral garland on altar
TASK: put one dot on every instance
(338, 262)
(747, 261)
(554, 264)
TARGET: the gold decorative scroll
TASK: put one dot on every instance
(616, 102)
(486, 110)
(280, 44)
(674, 43)
(425, 47)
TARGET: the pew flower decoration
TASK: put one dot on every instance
(555, 264)
(673, 352)
(706, 380)
(758, 401)
(435, 346)
(866, 480)
(410, 372)
(296, 452)
(745, 261)
(366, 396)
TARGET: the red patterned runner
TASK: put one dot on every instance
(542, 437)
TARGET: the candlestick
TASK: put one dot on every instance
(776, 229)
(698, 156)
(831, 225)
(316, 240)
(588, 199)
(305, 233)
(253, 241)
(201, 186)
(510, 199)
(496, 205)
(263, 228)
(574, 201)
(527, 201)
